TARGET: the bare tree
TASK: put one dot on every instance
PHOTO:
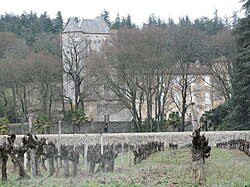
(221, 56)
(24, 72)
(14, 76)
(47, 43)
(189, 48)
(76, 50)
(134, 65)
(116, 67)
(7, 41)
(46, 76)
(155, 70)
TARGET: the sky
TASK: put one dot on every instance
(138, 9)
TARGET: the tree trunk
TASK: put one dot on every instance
(19, 163)
(33, 162)
(4, 158)
(51, 166)
(14, 103)
(66, 167)
(183, 112)
(74, 172)
(25, 101)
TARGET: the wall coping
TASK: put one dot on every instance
(182, 138)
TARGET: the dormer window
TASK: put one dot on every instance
(77, 39)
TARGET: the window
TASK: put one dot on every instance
(193, 97)
(77, 38)
(207, 80)
(176, 97)
(161, 98)
(207, 98)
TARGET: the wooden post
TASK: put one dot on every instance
(25, 161)
(59, 143)
(129, 161)
(32, 151)
(195, 123)
(101, 142)
(85, 157)
(106, 122)
(30, 120)
(122, 160)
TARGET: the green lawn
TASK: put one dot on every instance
(168, 168)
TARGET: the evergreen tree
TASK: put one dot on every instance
(45, 23)
(170, 22)
(240, 116)
(58, 23)
(105, 16)
(117, 23)
(127, 22)
(152, 20)
(210, 26)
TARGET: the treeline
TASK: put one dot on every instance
(27, 25)
(30, 59)
(30, 64)
(209, 25)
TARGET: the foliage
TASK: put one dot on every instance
(42, 123)
(216, 117)
(2, 108)
(210, 26)
(154, 21)
(239, 118)
(27, 25)
(3, 125)
(117, 23)
(174, 120)
(122, 22)
(105, 16)
(78, 116)
(145, 126)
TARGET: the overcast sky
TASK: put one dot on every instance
(138, 9)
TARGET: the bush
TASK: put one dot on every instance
(41, 124)
(3, 125)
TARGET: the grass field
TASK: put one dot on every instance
(168, 168)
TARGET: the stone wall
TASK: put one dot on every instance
(182, 138)
(87, 127)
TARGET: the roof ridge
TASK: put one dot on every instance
(97, 25)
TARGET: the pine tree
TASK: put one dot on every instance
(105, 16)
(58, 23)
(240, 116)
(152, 20)
(45, 22)
(117, 23)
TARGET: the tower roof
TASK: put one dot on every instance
(93, 26)
(72, 26)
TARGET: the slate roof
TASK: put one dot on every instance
(92, 26)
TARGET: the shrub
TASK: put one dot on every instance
(41, 124)
(3, 125)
